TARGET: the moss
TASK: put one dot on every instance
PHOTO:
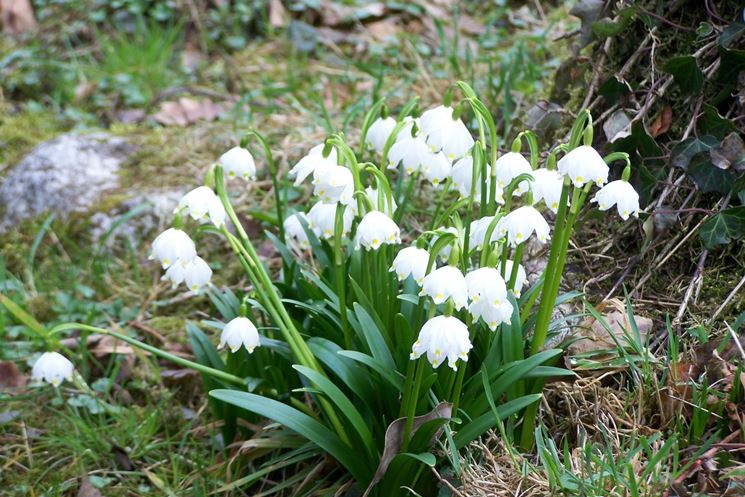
(22, 131)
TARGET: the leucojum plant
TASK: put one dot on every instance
(401, 325)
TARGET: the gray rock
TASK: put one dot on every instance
(67, 174)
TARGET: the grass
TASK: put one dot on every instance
(161, 440)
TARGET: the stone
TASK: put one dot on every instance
(70, 173)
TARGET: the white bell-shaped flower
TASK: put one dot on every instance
(436, 168)
(333, 184)
(521, 223)
(443, 338)
(294, 232)
(477, 233)
(510, 166)
(203, 205)
(238, 163)
(314, 160)
(546, 186)
(445, 283)
(452, 138)
(520, 279)
(196, 273)
(411, 261)
(380, 201)
(584, 165)
(462, 178)
(493, 315)
(444, 253)
(240, 331)
(379, 132)
(376, 229)
(52, 367)
(172, 246)
(405, 131)
(322, 217)
(432, 119)
(621, 194)
(410, 151)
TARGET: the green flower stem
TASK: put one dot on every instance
(412, 404)
(404, 203)
(216, 373)
(479, 155)
(516, 259)
(275, 180)
(263, 284)
(340, 272)
(438, 208)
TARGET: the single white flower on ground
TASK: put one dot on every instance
(520, 279)
(172, 246)
(333, 184)
(410, 151)
(196, 273)
(379, 132)
(202, 205)
(376, 229)
(294, 232)
(322, 217)
(240, 331)
(52, 367)
(442, 338)
(380, 201)
(238, 163)
(314, 160)
(436, 168)
(547, 185)
(519, 224)
(510, 166)
(584, 165)
(445, 283)
(411, 261)
(621, 194)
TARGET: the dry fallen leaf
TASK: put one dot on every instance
(87, 489)
(17, 16)
(185, 111)
(662, 122)
(10, 377)
(278, 17)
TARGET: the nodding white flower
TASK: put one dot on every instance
(411, 261)
(294, 232)
(379, 132)
(493, 315)
(376, 229)
(441, 338)
(380, 201)
(477, 232)
(488, 293)
(445, 283)
(547, 185)
(240, 331)
(510, 166)
(519, 224)
(451, 137)
(431, 119)
(333, 184)
(462, 177)
(437, 168)
(52, 367)
(444, 253)
(405, 131)
(520, 279)
(238, 163)
(196, 273)
(314, 160)
(202, 205)
(172, 246)
(411, 151)
(584, 165)
(621, 194)
(322, 217)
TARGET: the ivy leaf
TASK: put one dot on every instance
(614, 89)
(681, 154)
(731, 34)
(732, 61)
(712, 123)
(611, 27)
(686, 73)
(707, 176)
(724, 227)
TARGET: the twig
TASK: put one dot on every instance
(697, 275)
(728, 299)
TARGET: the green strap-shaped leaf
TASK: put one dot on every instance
(302, 424)
(386, 373)
(480, 425)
